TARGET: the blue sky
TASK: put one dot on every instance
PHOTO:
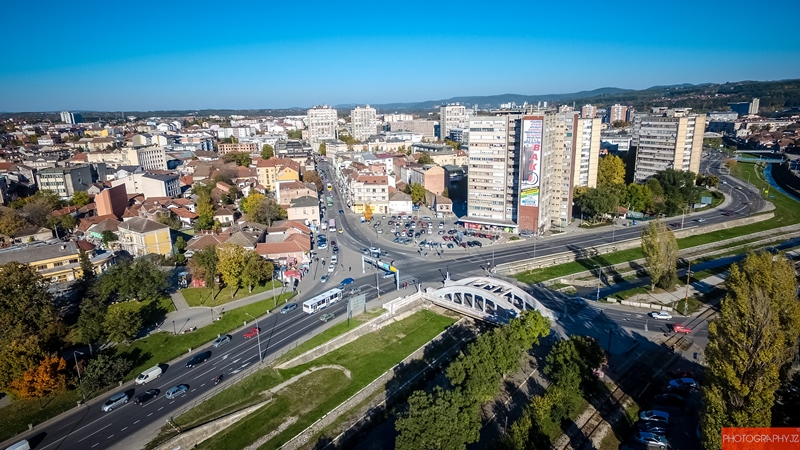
(128, 56)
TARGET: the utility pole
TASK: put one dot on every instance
(77, 367)
(686, 298)
(258, 337)
(599, 271)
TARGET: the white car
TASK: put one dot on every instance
(661, 315)
(331, 267)
(334, 259)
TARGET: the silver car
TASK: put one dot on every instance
(116, 400)
(222, 340)
(177, 391)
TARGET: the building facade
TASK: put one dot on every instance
(150, 158)
(364, 122)
(617, 113)
(65, 181)
(588, 111)
(587, 152)
(452, 116)
(250, 148)
(140, 236)
(322, 124)
(424, 128)
(150, 185)
(667, 139)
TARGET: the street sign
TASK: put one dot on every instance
(356, 305)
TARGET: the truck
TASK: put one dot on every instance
(332, 225)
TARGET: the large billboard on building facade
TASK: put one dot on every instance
(531, 158)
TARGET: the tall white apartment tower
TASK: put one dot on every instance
(322, 125)
(452, 116)
(667, 139)
(364, 122)
(587, 152)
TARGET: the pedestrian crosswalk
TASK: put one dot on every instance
(589, 313)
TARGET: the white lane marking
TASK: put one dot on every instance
(149, 414)
(92, 434)
(123, 429)
(193, 390)
(110, 437)
(95, 445)
(159, 409)
(136, 422)
(206, 372)
(202, 385)
(66, 425)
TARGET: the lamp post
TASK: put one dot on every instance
(75, 354)
(686, 297)
(599, 271)
(258, 338)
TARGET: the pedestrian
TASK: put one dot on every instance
(350, 269)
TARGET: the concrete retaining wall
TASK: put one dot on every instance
(646, 305)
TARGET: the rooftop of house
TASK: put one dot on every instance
(142, 225)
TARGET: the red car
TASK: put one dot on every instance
(681, 329)
(252, 333)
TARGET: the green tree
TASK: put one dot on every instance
(295, 134)
(256, 270)
(610, 171)
(267, 211)
(180, 244)
(80, 198)
(661, 253)
(231, 260)
(323, 149)
(425, 158)
(122, 324)
(240, 158)
(68, 222)
(107, 237)
(637, 197)
(596, 202)
(171, 220)
(250, 203)
(103, 371)
(657, 197)
(138, 280)
(454, 144)
(204, 266)
(91, 321)
(439, 420)
(311, 176)
(267, 151)
(11, 222)
(754, 336)
(417, 192)
(205, 210)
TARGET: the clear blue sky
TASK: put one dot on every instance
(272, 54)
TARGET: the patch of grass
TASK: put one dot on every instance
(159, 348)
(330, 333)
(623, 428)
(513, 238)
(202, 296)
(152, 311)
(561, 270)
(626, 294)
(18, 414)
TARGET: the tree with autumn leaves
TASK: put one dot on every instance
(47, 378)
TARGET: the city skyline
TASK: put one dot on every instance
(273, 57)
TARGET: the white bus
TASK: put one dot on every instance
(322, 301)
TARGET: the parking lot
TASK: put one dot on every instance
(427, 232)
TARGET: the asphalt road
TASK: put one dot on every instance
(90, 428)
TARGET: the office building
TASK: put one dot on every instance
(746, 108)
(617, 113)
(451, 116)
(65, 181)
(667, 138)
(425, 128)
(150, 185)
(71, 118)
(322, 124)
(364, 122)
(150, 158)
(588, 112)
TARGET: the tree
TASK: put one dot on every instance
(68, 222)
(637, 197)
(596, 202)
(250, 203)
(439, 420)
(661, 253)
(368, 212)
(295, 134)
(657, 198)
(26, 305)
(610, 171)
(425, 158)
(180, 244)
(171, 220)
(417, 192)
(454, 144)
(205, 210)
(231, 260)
(204, 266)
(103, 371)
(267, 151)
(323, 149)
(91, 320)
(256, 270)
(240, 158)
(80, 198)
(49, 377)
(11, 222)
(107, 237)
(122, 324)
(267, 211)
(311, 176)
(753, 337)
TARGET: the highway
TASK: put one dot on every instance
(88, 427)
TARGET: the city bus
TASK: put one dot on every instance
(330, 187)
(322, 301)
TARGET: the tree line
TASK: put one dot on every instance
(233, 265)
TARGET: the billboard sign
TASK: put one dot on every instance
(530, 170)
(356, 305)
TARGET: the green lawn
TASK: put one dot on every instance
(152, 311)
(548, 273)
(162, 347)
(202, 296)
(314, 395)
(623, 428)
(17, 415)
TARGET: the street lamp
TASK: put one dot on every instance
(77, 368)
(258, 338)
(599, 271)
(686, 298)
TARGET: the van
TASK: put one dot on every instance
(149, 375)
(21, 445)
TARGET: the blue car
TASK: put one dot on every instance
(347, 281)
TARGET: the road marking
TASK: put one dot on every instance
(92, 434)
(136, 422)
(123, 429)
(202, 385)
(149, 414)
(193, 390)
(95, 445)
(110, 437)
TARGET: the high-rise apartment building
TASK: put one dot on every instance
(323, 123)
(71, 118)
(452, 116)
(364, 122)
(667, 139)
(425, 128)
(588, 111)
(586, 158)
(617, 113)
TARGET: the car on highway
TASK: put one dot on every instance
(651, 439)
(324, 278)
(652, 427)
(177, 391)
(347, 281)
(663, 315)
(289, 307)
(700, 220)
(253, 332)
(681, 329)
(335, 250)
(739, 188)
(198, 358)
(142, 398)
(222, 340)
(327, 316)
(334, 259)
(354, 291)
(654, 415)
(115, 401)
(679, 382)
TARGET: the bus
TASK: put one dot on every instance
(332, 224)
(330, 202)
(330, 187)
(322, 301)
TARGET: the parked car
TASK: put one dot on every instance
(253, 332)
(222, 340)
(327, 316)
(354, 291)
(115, 401)
(177, 391)
(663, 315)
(142, 398)
(332, 267)
(678, 382)
(289, 307)
(341, 211)
(388, 275)
(198, 358)
(681, 373)
(651, 439)
(652, 427)
(654, 415)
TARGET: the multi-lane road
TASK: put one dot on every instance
(88, 427)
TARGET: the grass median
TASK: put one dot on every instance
(202, 296)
